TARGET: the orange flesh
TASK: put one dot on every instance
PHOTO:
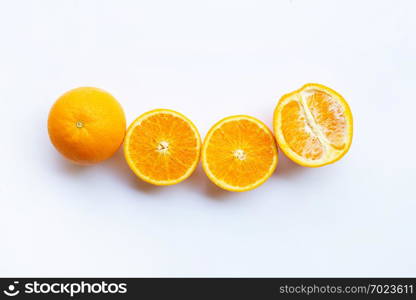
(163, 147)
(240, 153)
(298, 134)
(329, 116)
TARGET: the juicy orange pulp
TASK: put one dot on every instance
(313, 125)
(162, 147)
(239, 153)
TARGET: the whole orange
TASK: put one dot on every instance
(86, 125)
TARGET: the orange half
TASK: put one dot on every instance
(162, 147)
(239, 153)
(313, 125)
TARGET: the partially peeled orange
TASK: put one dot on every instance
(313, 125)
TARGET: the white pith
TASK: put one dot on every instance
(162, 147)
(240, 154)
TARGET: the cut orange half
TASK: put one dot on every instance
(162, 147)
(313, 125)
(239, 153)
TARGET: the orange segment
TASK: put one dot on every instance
(329, 116)
(162, 147)
(297, 133)
(239, 153)
(313, 125)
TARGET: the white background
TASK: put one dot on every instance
(208, 60)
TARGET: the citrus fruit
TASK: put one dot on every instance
(313, 125)
(162, 147)
(86, 125)
(239, 153)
